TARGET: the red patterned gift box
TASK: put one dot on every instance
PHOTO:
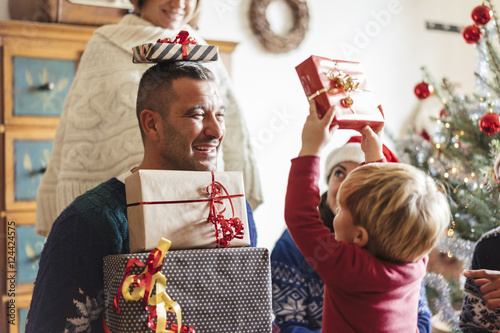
(343, 84)
(193, 209)
(223, 290)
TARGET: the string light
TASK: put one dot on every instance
(446, 175)
(438, 146)
(466, 180)
(456, 145)
(431, 160)
(447, 125)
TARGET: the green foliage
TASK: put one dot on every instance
(459, 155)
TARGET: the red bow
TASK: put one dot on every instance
(181, 38)
(225, 229)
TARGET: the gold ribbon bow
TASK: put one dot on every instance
(339, 82)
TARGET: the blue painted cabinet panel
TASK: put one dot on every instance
(29, 247)
(41, 85)
(31, 158)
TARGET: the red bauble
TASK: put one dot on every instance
(489, 123)
(423, 90)
(471, 34)
(443, 113)
(481, 15)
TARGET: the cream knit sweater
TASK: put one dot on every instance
(98, 134)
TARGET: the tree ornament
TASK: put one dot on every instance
(490, 123)
(443, 113)
(423, 90)
(481, 15)
(471, 34)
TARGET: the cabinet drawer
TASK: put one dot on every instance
(40, 86)
(27, 154)
(37, 79)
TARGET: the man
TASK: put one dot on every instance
(181, 117)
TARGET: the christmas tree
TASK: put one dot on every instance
(461, 150)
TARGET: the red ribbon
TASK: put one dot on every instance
(225, 229)
(181, 38)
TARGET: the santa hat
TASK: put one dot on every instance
(351, 152)
(497, 166)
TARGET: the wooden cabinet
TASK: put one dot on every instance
(38, 62)
(37, 65)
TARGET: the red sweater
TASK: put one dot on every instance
(362, 292)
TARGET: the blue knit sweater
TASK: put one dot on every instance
(68, 293)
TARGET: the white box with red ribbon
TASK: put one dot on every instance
(193, 209)
(182, 47)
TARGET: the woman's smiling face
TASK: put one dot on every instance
(168, 14)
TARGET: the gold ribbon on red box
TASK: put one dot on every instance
(343, 84)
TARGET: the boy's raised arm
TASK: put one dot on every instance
(316, 132)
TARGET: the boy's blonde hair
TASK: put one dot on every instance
(400, 206)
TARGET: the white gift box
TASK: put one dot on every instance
(176, 205)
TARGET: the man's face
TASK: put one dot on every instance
(193, 128)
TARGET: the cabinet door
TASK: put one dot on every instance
(37, 78)
(27, 154)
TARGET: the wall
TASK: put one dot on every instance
(395, 47)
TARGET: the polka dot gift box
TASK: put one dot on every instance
(218, 290)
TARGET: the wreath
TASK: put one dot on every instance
(269, 39)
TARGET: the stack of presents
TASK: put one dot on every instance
(190, 267)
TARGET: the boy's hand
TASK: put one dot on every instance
(371, 144)
(316, 132)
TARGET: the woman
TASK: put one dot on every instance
(297, 288)
(98, 137)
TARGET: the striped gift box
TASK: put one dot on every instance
(159, 52)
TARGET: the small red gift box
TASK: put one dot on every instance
(343, 84)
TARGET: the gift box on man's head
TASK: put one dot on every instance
(343, 84)
(182, 47)
(224, 290)
(193, 209)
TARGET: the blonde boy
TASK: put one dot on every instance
(389, 217)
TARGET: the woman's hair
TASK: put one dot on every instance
(138, 4)
(402, 209)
